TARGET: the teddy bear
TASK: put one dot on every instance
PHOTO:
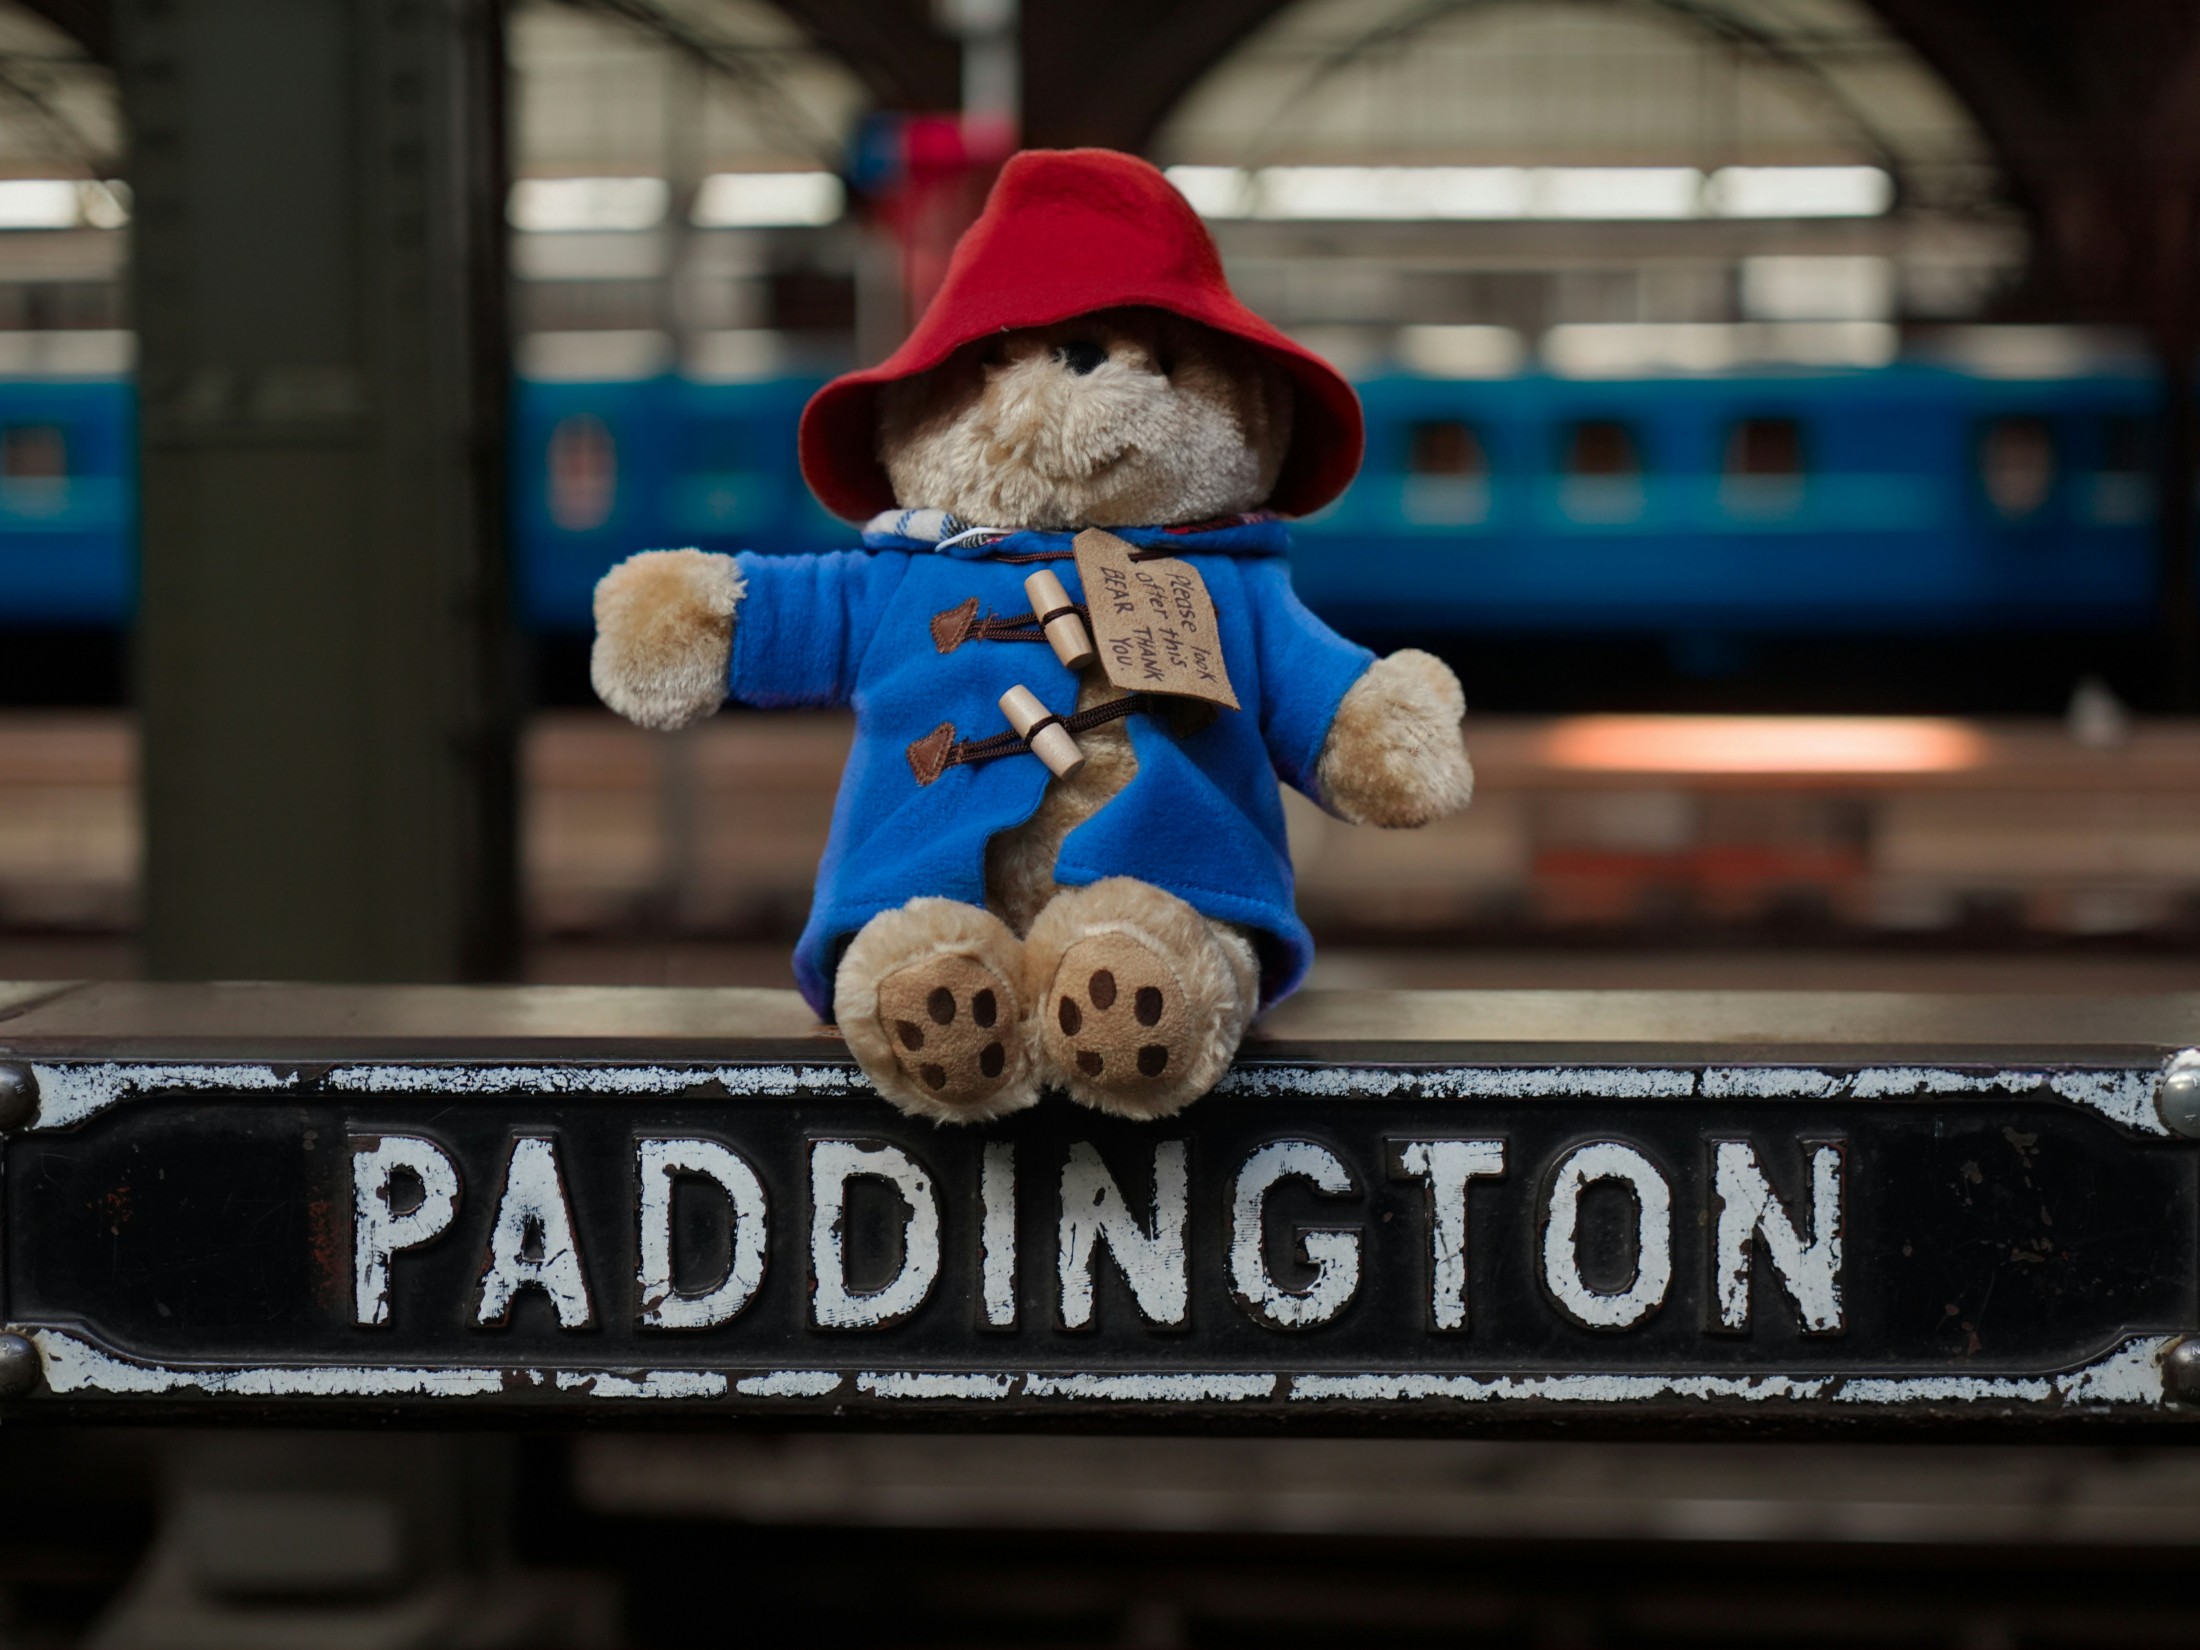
(1058, 867)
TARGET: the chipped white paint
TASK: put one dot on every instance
(1459, 1082)
(765, 1082)
(1576, 1172)
(1153, 1388)
(71, 1092)
(789, 1383)
(74, 1366)
(2129, 1377)
(68, 1094)
(2132, 1375)
(378, 1231)
(997, 1235)
(1747, 1209)
(1444, 1167)
(1153, 1261)
(1574, 1389)
(928, 1384)
(658, 1165)
(1768, 1083)
(654, 1383)
(532, 1244)
(2122, 1094)
(1334, 1254)
(833, 1305)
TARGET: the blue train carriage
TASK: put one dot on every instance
(68, 473)
(601, 470)
(1911, 498)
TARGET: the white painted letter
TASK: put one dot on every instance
(1810, 1273)
(378, 1231)
(1608, 1160)
(532, 1215)
(997, 1238)
(833, 1305)
(659, 1164)
(1334, 1255)
(1153, 1263)
(1446, 1166)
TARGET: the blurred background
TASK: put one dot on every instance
(1782, 413)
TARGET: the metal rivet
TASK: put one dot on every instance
(20, 1370)
(18, 1094)
(2181, 1371)
(2177, 1095)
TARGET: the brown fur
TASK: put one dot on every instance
(902, 956)
(1178, 424)
(1203, 975)
(664, 631)
(1395, 755)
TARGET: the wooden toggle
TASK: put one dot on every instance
(1042, 730)
(1058, 616)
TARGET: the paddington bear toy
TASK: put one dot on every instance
(1058, 856)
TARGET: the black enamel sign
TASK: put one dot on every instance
(1422, 1243)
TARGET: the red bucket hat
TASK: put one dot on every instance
(1064, 232)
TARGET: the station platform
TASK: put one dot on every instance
(1634, 827)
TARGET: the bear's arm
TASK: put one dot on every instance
(1373, 741)
(805, 622)
(677, 630)
(1305, 671)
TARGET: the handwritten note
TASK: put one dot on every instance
(1153, 621)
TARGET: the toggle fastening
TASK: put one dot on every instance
(1042, 730)
(1059, 617)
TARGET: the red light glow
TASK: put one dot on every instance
(1762, 744)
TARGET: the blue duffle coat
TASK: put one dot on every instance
(1203, 817)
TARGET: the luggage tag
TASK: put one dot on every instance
(1153, 621)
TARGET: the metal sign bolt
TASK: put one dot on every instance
(20, 1370)
(18, 1095)
(2177, 1095)
(2181, 1371)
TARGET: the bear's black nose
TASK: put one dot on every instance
(1080, 357)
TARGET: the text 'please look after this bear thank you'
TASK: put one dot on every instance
(1075, 659)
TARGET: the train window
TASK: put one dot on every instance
(2016, 461)
(1445, 447)
(584, 473)
(2121, 489)
(1602, 447)
(34, 452)
(2127, 446)
(1771, 447)
(713, 446)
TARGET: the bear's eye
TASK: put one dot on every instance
(1080, 355)
(993, 354)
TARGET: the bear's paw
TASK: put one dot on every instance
(664, 635)
(1396, 755)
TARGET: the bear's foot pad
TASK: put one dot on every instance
(951, 1021)
(1122, 1031)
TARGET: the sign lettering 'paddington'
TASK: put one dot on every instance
(1456, 1243)
(406, 1197)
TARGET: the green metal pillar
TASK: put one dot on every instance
(323, 675)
